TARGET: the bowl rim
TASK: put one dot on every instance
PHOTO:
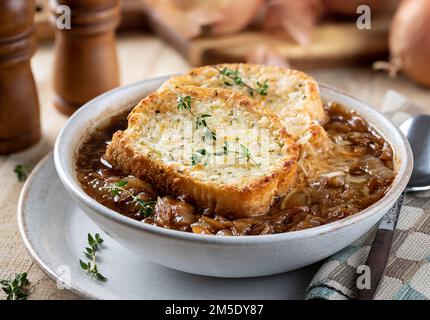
(66, 175)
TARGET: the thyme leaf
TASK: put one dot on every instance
(231, 77)
(184, 103)
(146, 208)
(90, 267)
(262, 88)
(22, 171)
(14, 288)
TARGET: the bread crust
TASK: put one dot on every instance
(230, 200)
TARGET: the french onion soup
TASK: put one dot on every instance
(343, 167)
(236, 149)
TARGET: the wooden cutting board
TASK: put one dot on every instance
(333, 44)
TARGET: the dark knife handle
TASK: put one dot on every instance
(380, 250)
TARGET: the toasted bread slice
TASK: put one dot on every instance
(215, 146)
(290, 94)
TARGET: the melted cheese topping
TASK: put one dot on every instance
(288, 94)
(173, 138)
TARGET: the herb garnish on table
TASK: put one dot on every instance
(14, 288)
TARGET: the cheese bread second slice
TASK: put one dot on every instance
(216, 147)
(290, 94)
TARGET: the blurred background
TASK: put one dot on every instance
(326, 38)
(303, 34)
(353, 51)
(299, 33)
(365, 53)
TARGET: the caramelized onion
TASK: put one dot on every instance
(377, 169)
(173, 213)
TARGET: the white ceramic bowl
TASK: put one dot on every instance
(244, 256)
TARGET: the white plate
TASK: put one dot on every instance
(54, 231)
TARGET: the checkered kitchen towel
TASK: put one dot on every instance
(408, 270)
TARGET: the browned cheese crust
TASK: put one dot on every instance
(292, 95)
(234, 199)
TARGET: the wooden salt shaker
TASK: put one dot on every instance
(19, 106)
(86, 63)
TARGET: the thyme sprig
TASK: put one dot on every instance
(14, 288)
(91, 267)
(22, 171)
(235, 76)
(262, 88)
(243, 153)
(146, 208)
(184, 103)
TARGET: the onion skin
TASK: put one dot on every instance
(189, 17)
(297, 17)
(186, 17)
(409, 40)
(236, 16)
(349, 7)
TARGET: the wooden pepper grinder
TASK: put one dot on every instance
(19, 106)
(86, 62)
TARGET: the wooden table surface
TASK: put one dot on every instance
(141, 57)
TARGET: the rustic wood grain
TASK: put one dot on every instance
(19, 111)
(86, 61)
(141, 57)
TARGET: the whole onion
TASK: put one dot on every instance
(409, 40)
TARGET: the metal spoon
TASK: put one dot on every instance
(417, 130)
